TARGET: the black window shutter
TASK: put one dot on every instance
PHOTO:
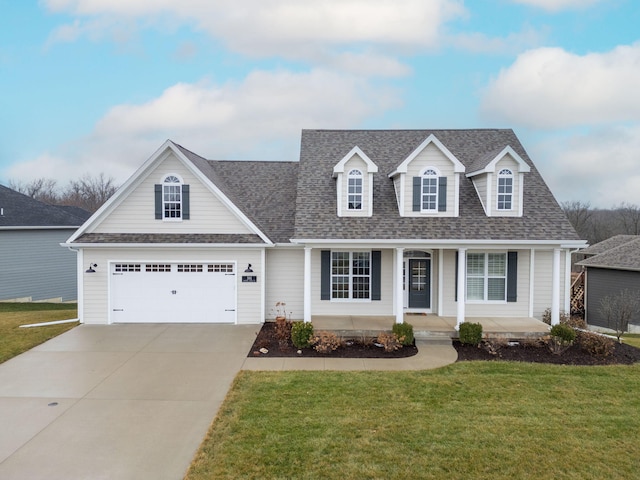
(442, 194)
(456, 279)
(417, 193)
(158, 197)
(376, 274)
(512, 276)
(186, 211)
(325, 275)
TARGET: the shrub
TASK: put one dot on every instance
(564, 332)
(546, 317)
(283, 332)
(389, 341)
(595, 344)
(471, 333)
(325, 342)
(574, 321)
(301, 334)
(404, 331)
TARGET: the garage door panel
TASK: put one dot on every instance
(174, 293)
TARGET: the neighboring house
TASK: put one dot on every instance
(33, 267)
(449, 222)
(611, 267)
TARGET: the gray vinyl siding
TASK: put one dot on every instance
(34, 265)
(602, 282)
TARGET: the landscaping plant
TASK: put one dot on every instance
(390, 341)
(404, 331)
(562, 337)
(470, 333)
(302, 334)
(325, 342)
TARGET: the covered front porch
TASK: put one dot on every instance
(430, 326)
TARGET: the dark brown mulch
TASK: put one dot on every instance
(266, 339)
(623, 355)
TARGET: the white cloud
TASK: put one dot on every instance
(558, 5)
(288, 28)
(511, 43)
(551, 88)
(599, 166)
(258, 118)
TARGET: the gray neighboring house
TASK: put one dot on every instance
(33, 265)
(454, 223)
(611, 266)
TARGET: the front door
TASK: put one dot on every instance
(419, 283)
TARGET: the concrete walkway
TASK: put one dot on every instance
(135, 401)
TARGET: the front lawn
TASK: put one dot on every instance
(495, 420)
(15, 340)
(631, 339)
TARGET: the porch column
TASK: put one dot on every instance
(462, 295)
(399, 295)
(307, 284)
(555, 288)
(567, 281)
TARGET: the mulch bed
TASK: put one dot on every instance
(623, 355)
(267, 339)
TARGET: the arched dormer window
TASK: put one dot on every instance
(429, 191)
(505, 189)
(172, 198)
(354, 190)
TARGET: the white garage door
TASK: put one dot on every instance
(173, 292)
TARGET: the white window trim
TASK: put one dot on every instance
(501, 175)
(180, 183)
(436, 176)
(486, 278)
(355, 174)
(350, 299)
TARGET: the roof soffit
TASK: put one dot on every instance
(491, 164)
(339, 167)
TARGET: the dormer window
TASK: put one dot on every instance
(354, 186)
(429, 191)
(505, 189)
(172, 199)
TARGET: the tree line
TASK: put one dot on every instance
(88, 192)
(596, 225)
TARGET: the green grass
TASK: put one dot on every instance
(631, 339)
(15, 340)
(494, 420)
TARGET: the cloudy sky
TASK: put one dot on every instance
(93, 86)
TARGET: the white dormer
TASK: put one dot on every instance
(354, 184)
(499, 182)
(427, 182)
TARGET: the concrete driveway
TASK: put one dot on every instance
(117, 401)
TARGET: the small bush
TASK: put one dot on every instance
(283, 332)
(390, 341)
(302, 334)
(564, 332)
(470, 333)
(574, 321)
(404, 331)
(595, 344)
(325, 342)
(564, 317)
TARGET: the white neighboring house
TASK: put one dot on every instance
(450, 222)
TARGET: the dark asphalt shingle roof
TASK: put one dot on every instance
(20, 210)
(621, 252)
(315, 216)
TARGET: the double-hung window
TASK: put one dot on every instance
(505, 189)
(351, 275)
(429, 197)
(172, 197)
(354, 190)
(486, 276)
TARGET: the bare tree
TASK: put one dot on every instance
(42, 189)
(89, 192)
(618, 310)
(579, 214)
(629, 216)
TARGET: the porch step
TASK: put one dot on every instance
(432, 338)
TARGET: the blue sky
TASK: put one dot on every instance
(92, 86)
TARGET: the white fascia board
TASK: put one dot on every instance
(167, 245)
(445, 243)
(402, 168)
(491, 166)
(48, 227)
(339, 168)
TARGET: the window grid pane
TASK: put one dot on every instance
(429, 193)
(486, 276)
(172, 199)
(505, 193)
(350, 275)
(354, 190)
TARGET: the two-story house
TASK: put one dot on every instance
(372, 223)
